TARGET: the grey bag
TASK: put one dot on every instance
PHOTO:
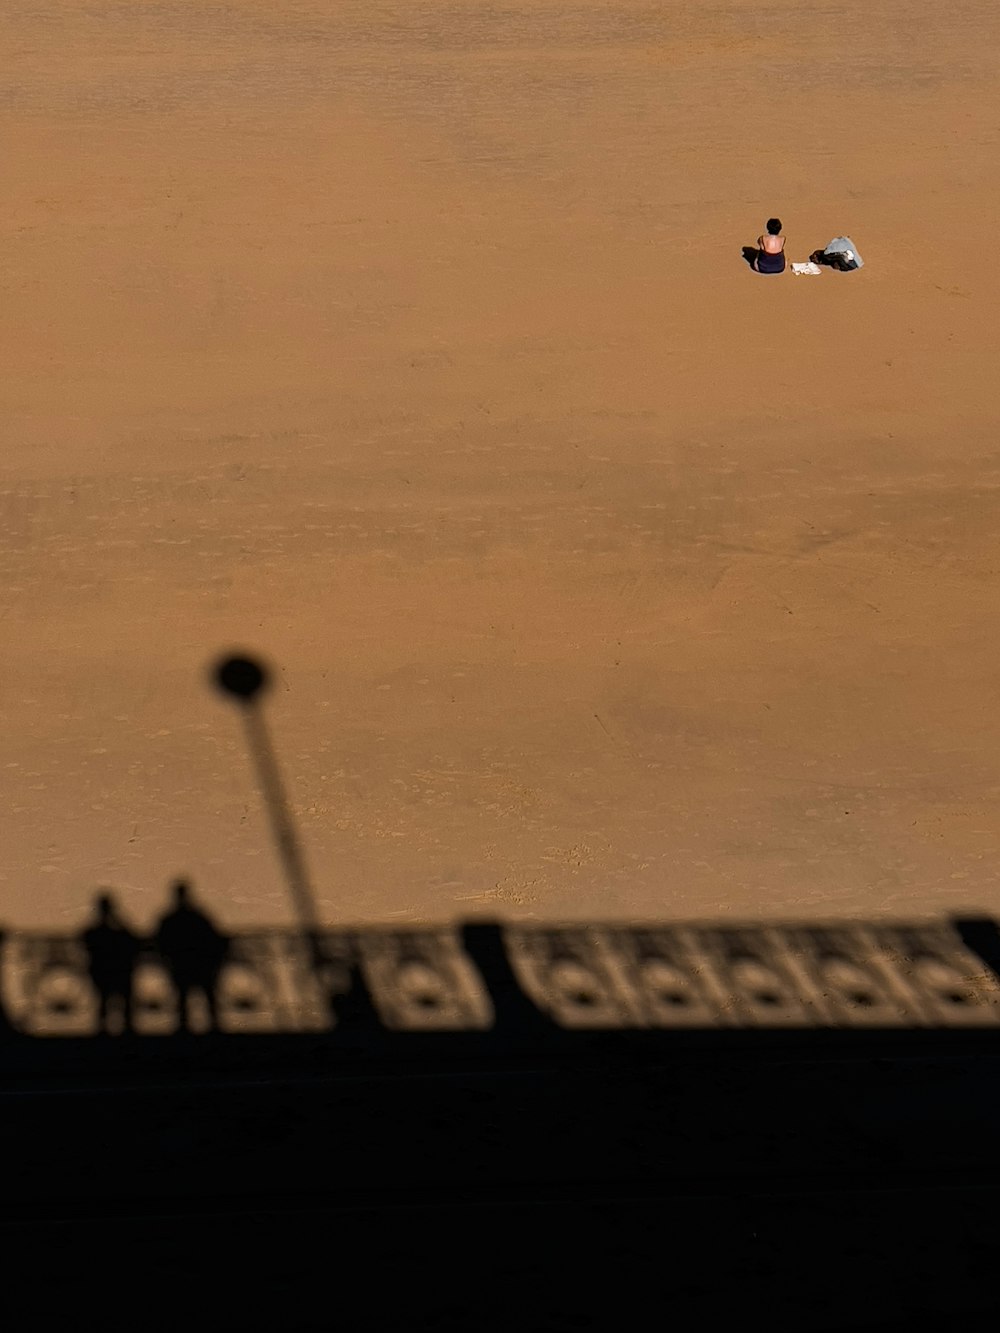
(843, 245)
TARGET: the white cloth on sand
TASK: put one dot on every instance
(809, 267)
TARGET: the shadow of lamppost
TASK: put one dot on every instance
(245, 680)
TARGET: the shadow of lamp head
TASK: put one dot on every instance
(242, 678)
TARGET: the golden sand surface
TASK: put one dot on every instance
(409, 344)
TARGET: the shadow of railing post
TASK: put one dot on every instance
(981, 937)
(515, 1014)
(7, 1028)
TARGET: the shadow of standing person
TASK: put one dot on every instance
(112, 953)
(193, 950)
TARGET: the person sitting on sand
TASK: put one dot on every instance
(771, 249)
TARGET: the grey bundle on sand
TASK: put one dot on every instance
(847, 250)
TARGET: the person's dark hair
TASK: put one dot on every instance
(774, 226)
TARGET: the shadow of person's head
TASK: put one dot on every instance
(105, 907)
(180, 893)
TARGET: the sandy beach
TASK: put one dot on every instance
(411, 347)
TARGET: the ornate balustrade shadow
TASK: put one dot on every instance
(604, 1098)
(568, 986)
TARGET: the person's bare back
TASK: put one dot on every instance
(770, 249)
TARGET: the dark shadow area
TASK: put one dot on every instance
(545, 1158)
(982, 939)
(750, 253)
(542, 1127)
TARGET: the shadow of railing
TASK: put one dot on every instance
(661, 1103)
(539, 984)
(590, 1086)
